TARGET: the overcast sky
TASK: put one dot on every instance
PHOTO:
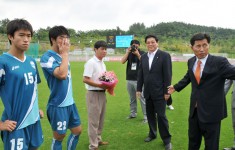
(87, 15)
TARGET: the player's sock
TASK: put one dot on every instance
(72, 141)
(56, 145)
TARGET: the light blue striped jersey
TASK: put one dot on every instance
(18, 90)
(61, 93)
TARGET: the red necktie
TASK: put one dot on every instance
(198, 71)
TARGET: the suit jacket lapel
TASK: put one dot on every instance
(156, 56)
(191, 64)
(145, 62)
(206, 68)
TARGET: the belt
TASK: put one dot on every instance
(97, 90)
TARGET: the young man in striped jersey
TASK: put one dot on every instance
(20, 123)
(61, 110)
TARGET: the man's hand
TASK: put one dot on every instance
(166, 96)
(41, 113)
(171, 89)
(136, 52)
(8, 125)
(103, 86)
(128, 50)
(64, 46)
(138, 94)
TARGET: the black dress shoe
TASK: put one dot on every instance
(148, 139)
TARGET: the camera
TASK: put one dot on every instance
(133, 48)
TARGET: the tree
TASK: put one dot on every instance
(42, 34)
(137, 29)
(3, 25)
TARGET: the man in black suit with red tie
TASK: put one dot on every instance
(155, 73)
(207, 74)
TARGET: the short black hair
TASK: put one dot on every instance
(18, 24)
(99, 44)
(134, 42)
(200, 36)
(151, 36)
(56, 31)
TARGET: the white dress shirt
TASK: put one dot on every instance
(151, 56)
(202, 64)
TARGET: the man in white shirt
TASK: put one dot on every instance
(95, 97)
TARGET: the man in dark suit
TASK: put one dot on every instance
(207, 102)
(155, 73)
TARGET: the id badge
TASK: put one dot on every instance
(133, 66)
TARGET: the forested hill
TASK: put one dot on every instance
(173, 36)
(183, 30)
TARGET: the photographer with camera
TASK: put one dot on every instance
(132, 56)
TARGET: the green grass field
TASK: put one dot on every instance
(124, 134)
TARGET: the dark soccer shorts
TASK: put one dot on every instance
(63, 118)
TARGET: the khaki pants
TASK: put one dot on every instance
(96, 107)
